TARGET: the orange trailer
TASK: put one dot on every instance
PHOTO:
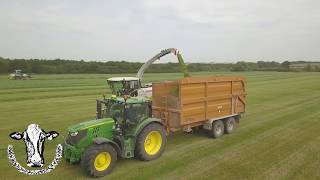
(207, 102)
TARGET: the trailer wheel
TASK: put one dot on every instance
(151, 142)
(217, 129)
(99, 160)
(229, 125)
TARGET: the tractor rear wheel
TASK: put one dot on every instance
(229, 125)
(217, 129)
(151, 142)
(99, 160)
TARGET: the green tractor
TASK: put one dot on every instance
(124, 128)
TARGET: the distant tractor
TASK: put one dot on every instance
(18, 75)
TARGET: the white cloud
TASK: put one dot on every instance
(204, 30)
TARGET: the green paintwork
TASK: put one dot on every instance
(90, 124)
(132, 134)
(143, 124)
(72, 153)
(105, 130)
(183, 66)
(133, 100)
(91, 129)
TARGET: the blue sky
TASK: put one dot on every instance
(203, 30)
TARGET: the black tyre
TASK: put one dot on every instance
(99, 160)
(151, 142)
(229, 125)
(217, 129)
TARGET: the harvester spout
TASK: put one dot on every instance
(183, 66)
(145, 66)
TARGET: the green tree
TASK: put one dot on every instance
(4, 67)
(240, 66)
(285, 65)
(308, 68)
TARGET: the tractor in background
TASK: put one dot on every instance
(18, 75)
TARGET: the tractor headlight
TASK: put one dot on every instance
(74, 133)
(75, 137)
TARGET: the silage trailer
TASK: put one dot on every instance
(127, 127)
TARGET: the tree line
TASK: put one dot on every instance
(60, 66)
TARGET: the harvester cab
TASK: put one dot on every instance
(132, 85)
(124, 85)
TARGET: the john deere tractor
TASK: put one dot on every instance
(123, 128)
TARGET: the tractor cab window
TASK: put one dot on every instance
(120, 88)
(136, 112)
(116, 87)
(134, 84)
(115, 110)
(130, 86)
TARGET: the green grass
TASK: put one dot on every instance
(278, 137)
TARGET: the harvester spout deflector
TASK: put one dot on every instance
(183, 66)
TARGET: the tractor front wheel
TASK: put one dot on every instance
(151, 142)
(99, 160)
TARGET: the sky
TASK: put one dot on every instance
(135, 30)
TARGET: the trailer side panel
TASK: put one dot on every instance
(194, 100)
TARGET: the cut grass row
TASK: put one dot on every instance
(277, 137)
(201, 157)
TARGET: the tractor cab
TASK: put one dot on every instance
(124, 85)
(18, 72)
(123, 108)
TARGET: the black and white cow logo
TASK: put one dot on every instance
(34, 138)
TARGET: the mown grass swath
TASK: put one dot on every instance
(278, 137)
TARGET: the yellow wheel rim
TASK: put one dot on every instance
(152, 143)
(102, 161)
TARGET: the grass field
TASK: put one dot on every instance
(277, 138)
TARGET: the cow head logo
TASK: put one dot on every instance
(34, 138)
